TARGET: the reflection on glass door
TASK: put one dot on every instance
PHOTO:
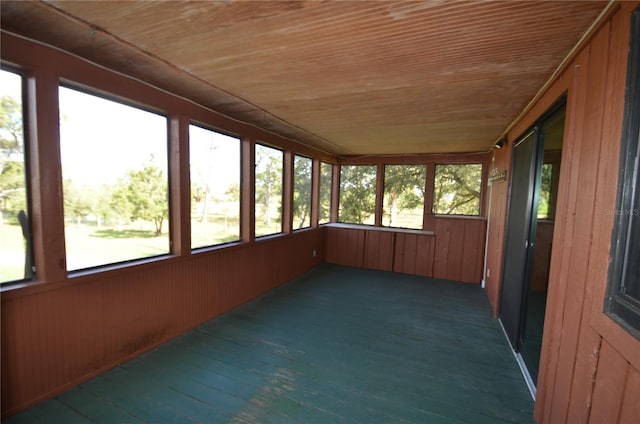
(532, 206)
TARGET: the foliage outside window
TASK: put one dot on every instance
(622, 302)
(357, 194)
(301, 192)
(326, 181)
(544, 211)
(215, 187)
(15, 248)
(114, 168)
(403, 204)
(269, 169)
(457, 189)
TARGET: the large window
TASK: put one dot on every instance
(457, 189)
(114, 169)
(326, 181)
(15, 248)
(357, 194)
(269, 168)
(215, 187)
(623, 301)
(404, 195)
(301, 192)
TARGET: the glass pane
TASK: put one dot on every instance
(404, 195)
(114, 169)
(545, 191)
(301, 192)
(457, 189)
(269, 164)
(15, 248)
(215, 187)
(326, 179)
(357, 194)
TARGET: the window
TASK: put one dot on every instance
(214, 161)
(457, 189)
(357, 194)
(269, 167)
(15, 248)
(622, 303)
(403, 204)
(326, 181)
(301, 192)
(114, 169)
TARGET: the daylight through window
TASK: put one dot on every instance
(215, 187)
(301, 192)
(357, 194)
(114, 169)
(268, 212)
(15, 248)
(326, 181)
(457, 189)
(403, 204)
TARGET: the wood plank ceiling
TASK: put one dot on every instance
(347, 77)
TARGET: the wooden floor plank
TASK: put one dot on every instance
(338, 344)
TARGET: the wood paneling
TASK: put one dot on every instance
(414, 254)
(459, 248)
(345, 246)
(56, 336)
(436, 79)
(588, 369)
(454, 252)
(378, 250)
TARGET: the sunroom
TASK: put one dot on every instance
(320, 211)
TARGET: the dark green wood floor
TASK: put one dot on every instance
(337, 345)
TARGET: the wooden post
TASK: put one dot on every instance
(179, 186)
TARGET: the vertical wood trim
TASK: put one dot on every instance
(335, 192)
(248, 190)
(608, 393)
(379, 193)
(428, 219)
(315, 192)
(630, 410)
(287, 193)
(557, 292)
(179, 186)
(484, 188)
(47, 213)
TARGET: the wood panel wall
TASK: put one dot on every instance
(590, 366)
(454, 251)
(59, 334)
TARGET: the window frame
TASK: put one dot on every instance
(424, 196)
(103, 95)
(480, 194)
(618, 304)
(239, 140)
(310, 199)
(282, 190)
(331, 168)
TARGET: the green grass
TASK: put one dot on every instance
(11, 252)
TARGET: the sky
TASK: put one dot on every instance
(100, 140)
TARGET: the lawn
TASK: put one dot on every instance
(89, 246)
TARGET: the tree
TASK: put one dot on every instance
(357, 193)
(457, 189)
(324, 205)
(403, 189)
(77, 201)
(142, 194)
(268, 179)
(301, 191)
(12, 175)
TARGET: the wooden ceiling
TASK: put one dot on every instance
(347, 77)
